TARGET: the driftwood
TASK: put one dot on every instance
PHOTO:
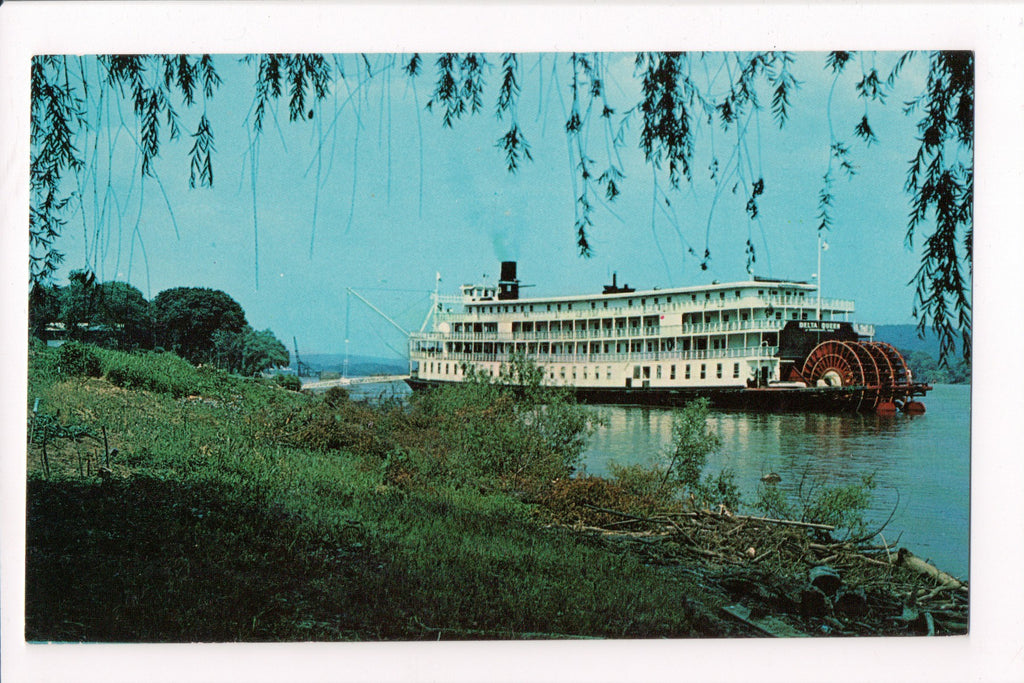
(915, 563)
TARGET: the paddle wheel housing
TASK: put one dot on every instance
(875, 374)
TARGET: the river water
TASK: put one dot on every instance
(922, 461)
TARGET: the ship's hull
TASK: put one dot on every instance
(770, 399)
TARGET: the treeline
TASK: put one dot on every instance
(201, 325)
(927, 369)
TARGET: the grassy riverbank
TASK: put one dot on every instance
(233, 510)
(168, 503)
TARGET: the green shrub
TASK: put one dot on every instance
(335, 396)
(504, 435)
(75, 359)
(842, 506)
(290, 382)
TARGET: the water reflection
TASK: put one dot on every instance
(924, 458)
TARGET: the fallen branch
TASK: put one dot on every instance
(915, 563)
(786, 522)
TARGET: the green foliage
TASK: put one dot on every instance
(841, 506)
(219, 522)
(77, 359)
(335, 396)
(46, 427)
(505, 432)
(163, 373)
(926, 369)
(125, 315)
(772, 501)
(721, 489)
(289, 382)
(43, 308)
(692, 443)
(188, 317)
(248, 352)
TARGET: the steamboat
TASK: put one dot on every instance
(761, 344)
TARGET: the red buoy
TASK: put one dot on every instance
(885, 408)
(914, 408)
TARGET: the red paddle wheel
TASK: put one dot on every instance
(875, 373)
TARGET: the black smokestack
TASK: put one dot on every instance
(508, 285)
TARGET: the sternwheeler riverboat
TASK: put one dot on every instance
(759, 344)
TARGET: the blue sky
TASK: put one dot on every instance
(401, 198)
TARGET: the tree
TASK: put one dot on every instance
(43, 308)
(262, 351)
(79, 303)
(248, 352)
(187, 318)
(674, 104)
(124, 313)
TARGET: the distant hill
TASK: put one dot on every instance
(358, 366)
(922, 355)
(905, 337)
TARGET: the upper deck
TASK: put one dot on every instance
(749, 295)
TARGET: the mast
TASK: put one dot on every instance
(348, 308)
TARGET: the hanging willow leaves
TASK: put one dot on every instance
(940, 181)
(674, 110)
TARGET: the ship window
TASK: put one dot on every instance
(549, 307)
(609, 375)
(703, 371)
(606, 304)
(760, 292)
(721, 295)
(593, 304)
(446, 368)
(630, 302)
(658, 374)
(655, 299)
(687, 375)
(562, 372)
(672, 372)
(744, 316)
(693, 297)
(559, 306)
(725, 318)
(668, 299)
(794, 315)
(574, 373)
(584, 372)
(778, 315)
(531, 308)
(647, 372)
(636, 372)
(707, 295)
(737, 294)
(803, 316)
(718, 371)
(570, 307)
(735, 370)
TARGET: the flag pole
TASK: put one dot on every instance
(818, 277)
